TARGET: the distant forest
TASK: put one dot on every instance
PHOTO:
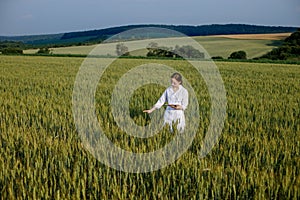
(214, 29)
(97, 36)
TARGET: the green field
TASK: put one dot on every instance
(215, 46)
(218, 46)
(42, 157)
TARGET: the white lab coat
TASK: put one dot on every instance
(180, 97)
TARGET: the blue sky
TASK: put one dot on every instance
(25, 17)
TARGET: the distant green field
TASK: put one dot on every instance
(219, 46)
(42, 157)
(215, 46)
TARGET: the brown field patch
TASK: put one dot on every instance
(273, 36)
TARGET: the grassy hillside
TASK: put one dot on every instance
(96, 36)
(255, 45)
(289, 50)
(224, 46)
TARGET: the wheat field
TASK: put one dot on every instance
(42, 156)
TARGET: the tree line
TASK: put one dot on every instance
(289, 50)
(16, 48)
(154, 50)
(201, 30)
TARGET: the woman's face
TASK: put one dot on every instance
(174, 82)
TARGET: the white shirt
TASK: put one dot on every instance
(179, 97)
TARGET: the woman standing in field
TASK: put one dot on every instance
(176, 97)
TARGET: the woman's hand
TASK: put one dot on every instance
(149, 111)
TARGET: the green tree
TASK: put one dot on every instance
(289, 50)
(293, 39)
(185, 51)
(217, 57)
(188, 51)
(45, 50)
(155, 51)
(152, 49)
(122, 50)
(12, 50)
(12, 47)
(238, 55)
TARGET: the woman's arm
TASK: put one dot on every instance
(159, 103)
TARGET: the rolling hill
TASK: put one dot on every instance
(96, 36)
(218, 45)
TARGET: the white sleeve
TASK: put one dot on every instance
(161, 100)
(185, 99)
